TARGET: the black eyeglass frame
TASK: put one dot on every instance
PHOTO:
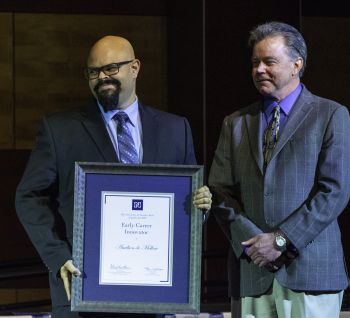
(104, 69)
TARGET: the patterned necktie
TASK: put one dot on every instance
(271, 134)
(126, 146)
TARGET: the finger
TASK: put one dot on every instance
(203, 189)
(202, 200)
(249, 242)
(202, 195)
(257, 260)
(65, 278)
(71, 268)
(203, 206)
(253, 254)
(66, 284)
(262, 263)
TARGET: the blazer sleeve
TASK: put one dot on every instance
(226, 202)
(36, 203)
(190, 158)
(332, 181)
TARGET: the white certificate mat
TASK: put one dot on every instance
(136, 238)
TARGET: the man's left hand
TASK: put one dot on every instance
(261, 249)
(66, 272)
(202, 198)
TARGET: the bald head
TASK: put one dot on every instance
(114, 59)
(110, 49)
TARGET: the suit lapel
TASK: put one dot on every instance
(95, 126)
(253, 122)
(149, 134)
(297, 116)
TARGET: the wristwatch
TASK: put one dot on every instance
(280, 242)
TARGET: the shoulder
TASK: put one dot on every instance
(322, 104)
(73, 114)
(251, 110)
(151, 112)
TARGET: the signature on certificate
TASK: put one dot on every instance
(119, 269)
(153, 271)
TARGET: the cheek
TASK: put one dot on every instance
(253, 72)
(92, 84)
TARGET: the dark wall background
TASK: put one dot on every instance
(195, 62)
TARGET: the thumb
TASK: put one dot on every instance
(66, 271)
(71, 268)
(249, 242)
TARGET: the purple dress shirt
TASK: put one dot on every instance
(286, 105)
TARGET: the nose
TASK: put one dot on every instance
(260, 68)
(102, 75)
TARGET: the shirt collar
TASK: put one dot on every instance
(131, 111)
(286, 104)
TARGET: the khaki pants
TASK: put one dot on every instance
(281, 302)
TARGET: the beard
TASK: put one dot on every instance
(108, 98)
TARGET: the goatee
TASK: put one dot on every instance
(107, 98)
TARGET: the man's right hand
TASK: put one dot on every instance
(285, 259)
(66, 272)
(261, 249)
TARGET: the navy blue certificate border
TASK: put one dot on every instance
(94, 178)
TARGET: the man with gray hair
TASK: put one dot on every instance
(280, 179)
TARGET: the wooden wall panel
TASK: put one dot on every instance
(10, 296)
(18, 246)
(7, 296)
(6, 81)
(50, 54)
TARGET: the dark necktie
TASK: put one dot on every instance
(271, 134)
(126, 146)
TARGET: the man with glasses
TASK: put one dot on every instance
(115, 128)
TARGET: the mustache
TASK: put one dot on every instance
(108, 81)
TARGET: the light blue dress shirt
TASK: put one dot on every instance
(134, 126)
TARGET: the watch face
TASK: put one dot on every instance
(280, 241)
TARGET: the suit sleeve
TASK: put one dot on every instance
(226, 207)
(331, 192)
(37, 206)
(190, 158)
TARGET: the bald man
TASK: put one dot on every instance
(44, 198)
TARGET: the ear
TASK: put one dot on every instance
(298, 64)
(135, 67)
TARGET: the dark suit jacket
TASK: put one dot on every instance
(304, 189)
(44, 198)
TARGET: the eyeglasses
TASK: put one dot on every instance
(109, 69)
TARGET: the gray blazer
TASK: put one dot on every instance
(303, 190)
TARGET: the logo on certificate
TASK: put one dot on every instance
(137, 204)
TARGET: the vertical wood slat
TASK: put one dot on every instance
(6, 81)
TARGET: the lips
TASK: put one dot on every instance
(107, 86)
(260, 80)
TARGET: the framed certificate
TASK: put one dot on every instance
(137, 238)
